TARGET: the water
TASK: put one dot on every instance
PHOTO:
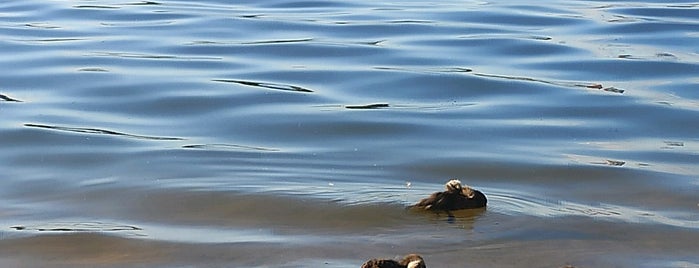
(285, 133)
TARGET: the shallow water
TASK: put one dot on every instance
(285, 133)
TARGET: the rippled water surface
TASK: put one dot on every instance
(282, 133)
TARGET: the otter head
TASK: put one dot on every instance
(416, 264)
(467, 191)
(453, 186)
(414, 261)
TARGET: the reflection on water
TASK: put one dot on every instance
(284, 133)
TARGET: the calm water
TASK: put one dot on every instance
(283, 133)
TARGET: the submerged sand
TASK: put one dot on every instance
(220, 229)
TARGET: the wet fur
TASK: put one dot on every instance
(455, 197)
(409, 261)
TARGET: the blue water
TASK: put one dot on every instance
(283, 133)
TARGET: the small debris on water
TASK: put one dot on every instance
(367, 106)
(666, 55)
(615, 163)
(625, 56)
(613, 90)
(608, 89)
(674, 143)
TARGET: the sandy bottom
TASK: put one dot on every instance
(200, 229)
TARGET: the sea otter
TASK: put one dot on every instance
(455, 197)
(409, 261)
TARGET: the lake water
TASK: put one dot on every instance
(285, 133)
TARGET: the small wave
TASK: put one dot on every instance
(221, 146)
(99, 131)
(144, 3)
(93, 69)
(76, 227)
(149, 56)
(280, 41)
(569, 84)
(367, 106)
(379, 105)
(411, 22)
(41, 26)
(54, 40)
(513, 203)
(556, 83)
(96, 7)
(8, 99)
(265, 85)
(364, 197)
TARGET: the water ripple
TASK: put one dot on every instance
(228, 147)
(76, 227)
(582, 113)
(148, 56)
(265, 85)
(99, 131)
(8, 99)
(514, 203)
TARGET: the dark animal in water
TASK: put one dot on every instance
(409, 261)
(455, 197)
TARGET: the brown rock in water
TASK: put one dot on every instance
(455, 197)
(409, 261)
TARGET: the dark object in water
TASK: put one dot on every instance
(455, 197)
(409, 261)
(615, 163)
(8, 99)
(613, 90)
(367, 106)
